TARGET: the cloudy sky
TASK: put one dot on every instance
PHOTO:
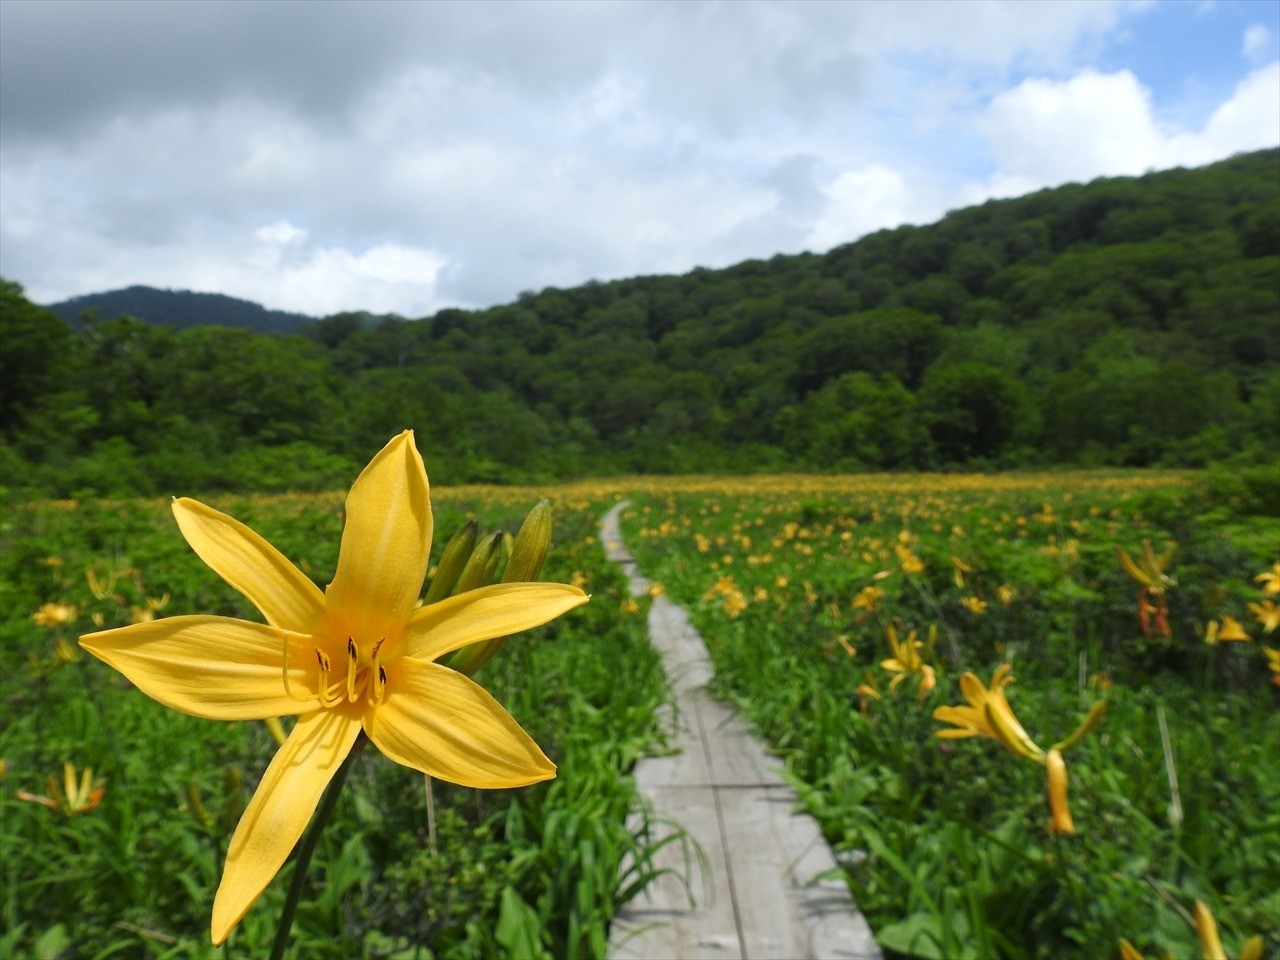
(404, 156)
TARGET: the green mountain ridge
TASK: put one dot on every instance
(1126, 322)
(180, 309)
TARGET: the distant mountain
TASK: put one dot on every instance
(180, 309)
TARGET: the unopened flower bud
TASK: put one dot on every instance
(1057, 770)
(532, 544)
(452, 561)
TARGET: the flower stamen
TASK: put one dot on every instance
(353, 669)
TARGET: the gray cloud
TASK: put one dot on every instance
(326, 156)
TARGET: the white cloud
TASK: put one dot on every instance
(1045, 132)
(859, 202)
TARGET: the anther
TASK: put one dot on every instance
(353, 668)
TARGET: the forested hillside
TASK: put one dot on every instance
(180, 309)
(1126, 322)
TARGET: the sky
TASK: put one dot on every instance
(402, 157)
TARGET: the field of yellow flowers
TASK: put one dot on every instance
(1035, 715)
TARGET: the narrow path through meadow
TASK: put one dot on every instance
(764, 886)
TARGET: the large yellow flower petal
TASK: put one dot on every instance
(212, 667)
(386, 540)
(485, 613)
(436, 720)
(284, 594)
(279, 811)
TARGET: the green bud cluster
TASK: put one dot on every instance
(470, 561)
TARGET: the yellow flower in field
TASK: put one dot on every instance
(1270, 580)
(989, 715)
(102, 587)
(1268, 614)
(147, 611)
(975, 605)
(907, 559)
(54, 614)
(72, 796)
(907, 662)
(358, 657)
(867, 692)
(1229, 630)
(630, 607)
(868, 599)
(1006, 594)
(961, 568)
(1210, 943)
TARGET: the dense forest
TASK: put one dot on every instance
(1128, 322)
(180, 309)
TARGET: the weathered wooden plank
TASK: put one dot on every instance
(759, 887)
(662, 922)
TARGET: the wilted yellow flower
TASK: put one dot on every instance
(1268, 614)
(961, 568)
(72, 796)
(1148, 570)
(975, 605)
(54, 614)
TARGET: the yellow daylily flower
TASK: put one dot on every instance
(907, 662)
(54, 614)
(1268, 614)
(1210, 943)
(989, 715)
(1270, 579)
(1229, 630)
(358, 657)
(868, 599)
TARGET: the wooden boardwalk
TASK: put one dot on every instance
(764, 885)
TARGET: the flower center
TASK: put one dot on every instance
(364, 677)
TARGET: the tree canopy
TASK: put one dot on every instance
(1131, 321)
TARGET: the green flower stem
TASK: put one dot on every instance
(306, 849)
